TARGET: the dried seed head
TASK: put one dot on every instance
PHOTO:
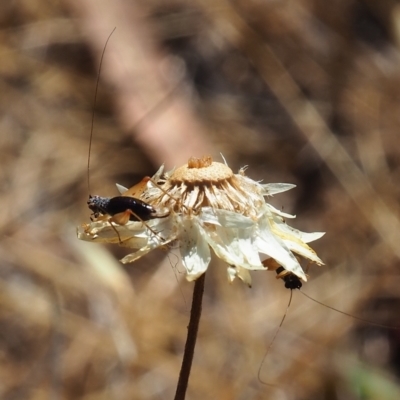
(204, 183)
(210, 207)
(201, 172)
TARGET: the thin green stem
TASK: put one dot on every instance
(195, 314)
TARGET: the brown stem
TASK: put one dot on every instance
(193, 328)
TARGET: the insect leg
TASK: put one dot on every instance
(123, 218)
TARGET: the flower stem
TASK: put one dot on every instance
(193, 328)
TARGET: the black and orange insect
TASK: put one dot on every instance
(120, 209)
(291, 280)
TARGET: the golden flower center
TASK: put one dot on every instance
(201, 171)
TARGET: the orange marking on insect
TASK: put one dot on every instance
(138, 189)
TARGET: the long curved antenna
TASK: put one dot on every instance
(272, 342)
(94, 104)
(350, 315)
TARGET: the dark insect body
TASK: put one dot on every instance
(122, 209)
(291, 280)
(137, 209)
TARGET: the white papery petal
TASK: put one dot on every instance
(194, 249)
(241, 273)
(121, 189)
(231, 273)
(306, 237)
(231, 237)
(136, 255)
(134, 234)
(227, 219)
(278, 212)
(303, 250)
(158, 174)
(235, 247)
(152, 242)
(274, 188)
(102, 231)
(220, 245)
(248, 248)
(273, 246)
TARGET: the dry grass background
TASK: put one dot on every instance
(306, 92)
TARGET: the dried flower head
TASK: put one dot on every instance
(211, 207)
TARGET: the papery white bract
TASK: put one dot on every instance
(210, 207)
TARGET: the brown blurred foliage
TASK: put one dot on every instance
(305, 92)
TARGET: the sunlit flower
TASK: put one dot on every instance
(210, 207)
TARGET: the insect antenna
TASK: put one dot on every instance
(351, 315)
(293, 282)
(272, 342)
(93, 111)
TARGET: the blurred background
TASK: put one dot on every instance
(304, 92)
